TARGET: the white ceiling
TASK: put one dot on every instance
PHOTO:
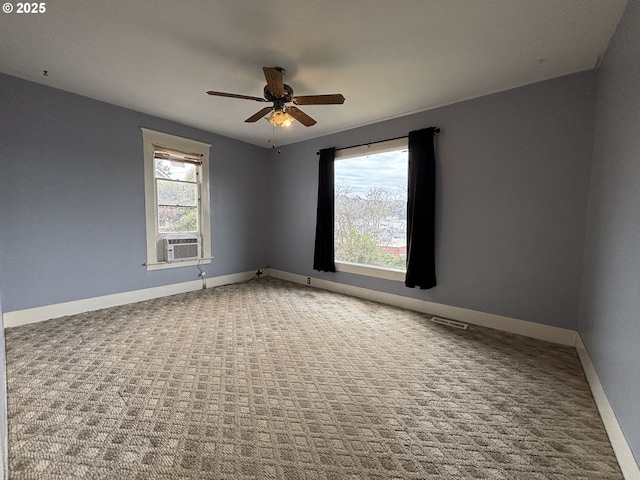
(388, 58)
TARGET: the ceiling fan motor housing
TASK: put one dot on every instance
(286, 98)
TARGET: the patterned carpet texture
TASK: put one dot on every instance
(273, 380)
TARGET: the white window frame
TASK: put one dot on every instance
(359, 151)
(151, 139)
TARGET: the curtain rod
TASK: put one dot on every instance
(435, 130)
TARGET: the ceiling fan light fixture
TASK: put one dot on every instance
(280, 118)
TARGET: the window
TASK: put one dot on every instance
(371, 209)
(177, 191)
(176, 174)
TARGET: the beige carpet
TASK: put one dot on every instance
(272, 380)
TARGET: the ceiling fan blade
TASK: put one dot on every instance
(234, 95)
(257, 116)
(334, 99)
(302, 117)
(275, 80)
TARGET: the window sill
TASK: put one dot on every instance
(369, 271)
(165, 265)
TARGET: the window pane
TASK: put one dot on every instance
(175, 170)
(371, 209)
(177, 193)
(177, 219)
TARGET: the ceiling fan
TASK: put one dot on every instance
(281, 94)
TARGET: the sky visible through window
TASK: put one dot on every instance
(388, 169)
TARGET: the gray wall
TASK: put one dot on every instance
(610, 314)
(72, 195)
(4, 461)
(513, 177)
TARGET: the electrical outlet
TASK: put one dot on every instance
(308, 280)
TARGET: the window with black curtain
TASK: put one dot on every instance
(421, 198)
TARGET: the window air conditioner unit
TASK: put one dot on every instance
(180, 248)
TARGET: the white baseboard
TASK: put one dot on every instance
(621, 448)
(539, 331)
(39, 314)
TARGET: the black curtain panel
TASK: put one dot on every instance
(421, 202)
(324, 255)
